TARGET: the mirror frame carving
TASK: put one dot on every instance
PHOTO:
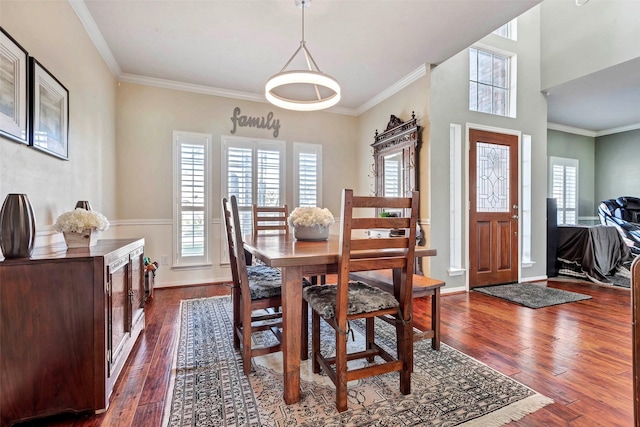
(399, 137)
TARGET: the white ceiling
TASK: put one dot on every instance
(601, 103)
(372, 47)
(234, 46)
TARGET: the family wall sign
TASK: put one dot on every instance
(267, 122)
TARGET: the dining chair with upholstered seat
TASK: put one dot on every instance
(256, 294)
(270, 219)
(340, 304)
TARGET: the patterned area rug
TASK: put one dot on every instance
(449, 388)
(531, 295)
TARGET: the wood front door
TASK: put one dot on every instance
(493, 214)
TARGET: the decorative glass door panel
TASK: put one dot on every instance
(492, 186)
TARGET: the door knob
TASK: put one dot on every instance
(515, 217)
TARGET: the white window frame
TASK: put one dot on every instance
(180, 260)
(302, 148)
(456, 245)
(512, 81)
(526, 213)
(562, 209)
(254, 144)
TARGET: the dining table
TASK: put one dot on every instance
(297, 259)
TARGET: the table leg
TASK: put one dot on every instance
(435, 319)
(291, 324)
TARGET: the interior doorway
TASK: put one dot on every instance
(493, 208)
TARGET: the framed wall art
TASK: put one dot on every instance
(49, 112)
(14, 75)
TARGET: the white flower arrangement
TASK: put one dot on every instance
(311, 216)
(80, 219)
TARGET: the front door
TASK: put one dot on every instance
(493, 214)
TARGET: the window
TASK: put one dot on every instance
(564, 188)
(307, 160)
(508, 30)
(489, 82)
(253, 171)
(191, 188)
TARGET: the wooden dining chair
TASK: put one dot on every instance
(270, 219)
(256, 287)
(273, 219)
(346, 301)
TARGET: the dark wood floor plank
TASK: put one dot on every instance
(578, 354)
(155, 388)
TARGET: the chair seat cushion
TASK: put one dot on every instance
(362, 299)
(264, 282)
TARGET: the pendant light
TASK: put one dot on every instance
(325, 89)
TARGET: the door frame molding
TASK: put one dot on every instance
(476, 126)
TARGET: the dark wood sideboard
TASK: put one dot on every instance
(68, 320)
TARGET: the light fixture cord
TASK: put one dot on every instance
(303, 5)
(307, 55)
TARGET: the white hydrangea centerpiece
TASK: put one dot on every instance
(80, 219)
(310, 217)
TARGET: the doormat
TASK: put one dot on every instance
(531, 295)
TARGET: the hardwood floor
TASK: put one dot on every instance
(578, 354)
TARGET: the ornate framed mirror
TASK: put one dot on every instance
(395, 158)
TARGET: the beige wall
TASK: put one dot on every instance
(51, 32)
(146, 118)
(413, 98)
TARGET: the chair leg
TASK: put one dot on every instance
(304, 341)
(246, 340)
(435, 319)
(235, 295)
(404, 337)
(341, 372)
(370, 336)
(315, 341)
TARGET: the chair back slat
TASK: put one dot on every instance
(362, 254)
(381, 202)
(270, 218)
(380, 222)
(371, 264)
(379, 243)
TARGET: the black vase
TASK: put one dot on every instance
(17, 227)
(84, 204)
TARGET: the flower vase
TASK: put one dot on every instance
(17, 227)
(84, 239)
(311, 233)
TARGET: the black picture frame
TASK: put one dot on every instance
(14, 89)
(49, 130)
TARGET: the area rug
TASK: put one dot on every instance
(531, 295)
(449, 388)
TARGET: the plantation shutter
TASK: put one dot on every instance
(191, 195)
(564, 188)
(307, 174)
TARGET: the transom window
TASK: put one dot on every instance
(489, 82)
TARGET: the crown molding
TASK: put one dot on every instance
(620, 129)
(419, 72)
(80, 8)
(591, 133)
(570, 129)
(210, 90)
